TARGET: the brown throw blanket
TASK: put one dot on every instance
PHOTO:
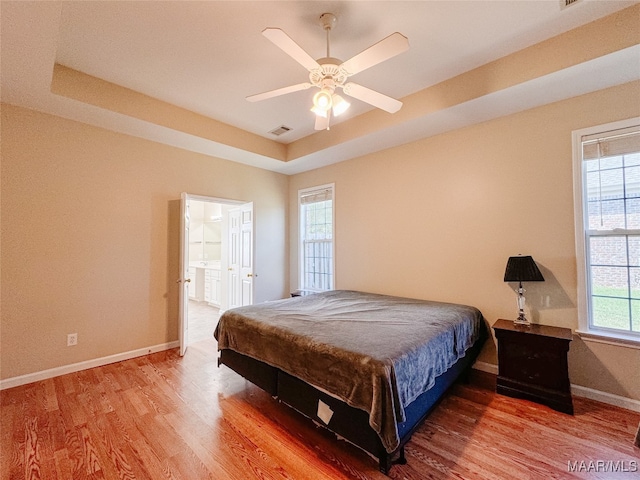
(375, 352)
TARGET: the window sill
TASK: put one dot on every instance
(620, 340)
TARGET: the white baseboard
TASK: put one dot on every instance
(605, 397)
(486, 367)
(76, 367)
(579, 391)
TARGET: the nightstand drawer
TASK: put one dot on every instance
(533, 364)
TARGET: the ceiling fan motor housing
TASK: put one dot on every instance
(329, 70)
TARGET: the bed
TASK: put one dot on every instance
(368, 367)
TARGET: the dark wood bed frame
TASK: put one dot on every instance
(349, 422)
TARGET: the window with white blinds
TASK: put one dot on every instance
(610, 231)
(316, 237)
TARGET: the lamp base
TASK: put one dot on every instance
(522, 319)
(523, 322)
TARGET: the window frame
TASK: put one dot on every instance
(585, 330)
(301, 260)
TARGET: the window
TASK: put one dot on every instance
(607, 176)
(316, 238)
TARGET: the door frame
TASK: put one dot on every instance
(183, 279)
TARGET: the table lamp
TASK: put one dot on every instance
(522, 269)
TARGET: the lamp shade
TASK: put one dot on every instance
(340, 105)
(323, 100)
(522, 269)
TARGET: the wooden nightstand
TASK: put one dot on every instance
(302, 293)
(532, 363)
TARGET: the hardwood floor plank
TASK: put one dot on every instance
(51, 395)
(163, 416)
(63, 465)
(65, 383)
(158, 436)
(77, 411)
(90, 454)
(31, 460)
(8, 447)
(206, 448)
(157, 469)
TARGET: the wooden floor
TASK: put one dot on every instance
(166, 417)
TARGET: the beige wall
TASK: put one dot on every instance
(438, 218)
(90, 237)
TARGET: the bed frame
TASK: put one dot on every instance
(349, 422)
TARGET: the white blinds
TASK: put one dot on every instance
(609, 144)
(315, 196)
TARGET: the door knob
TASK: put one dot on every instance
(252, 274)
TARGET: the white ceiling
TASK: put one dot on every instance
(207, 56)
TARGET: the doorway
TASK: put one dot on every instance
(211, 254)
(205, 258)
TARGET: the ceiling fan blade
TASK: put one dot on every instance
(386, 48)
(290, 47)
(322, 123)
(277, 92)
(372, 97)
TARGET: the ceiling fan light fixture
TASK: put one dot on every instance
(323, 100)
(340, 105)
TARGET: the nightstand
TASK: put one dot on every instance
(532, 363)
(301, 293)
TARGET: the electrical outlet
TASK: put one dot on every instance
(72, 339)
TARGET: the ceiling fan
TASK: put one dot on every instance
(329, 74)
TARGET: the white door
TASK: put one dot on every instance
(234, 258)
(240, 268)
(184, 280)
(246, 254)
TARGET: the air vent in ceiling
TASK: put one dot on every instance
(280, 130)
(567, 3)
